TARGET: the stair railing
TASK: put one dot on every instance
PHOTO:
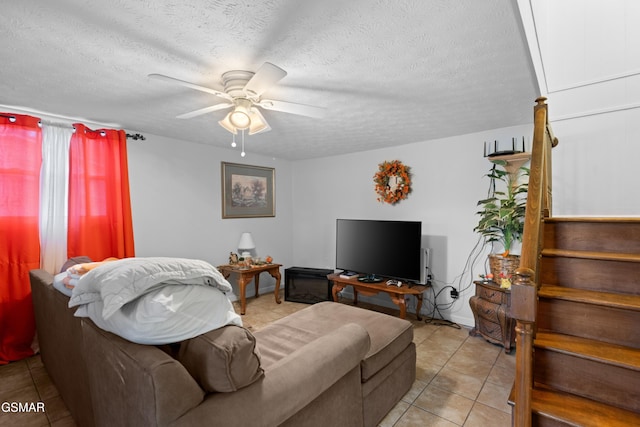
(524, 291)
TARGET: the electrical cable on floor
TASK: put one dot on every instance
(441, 322)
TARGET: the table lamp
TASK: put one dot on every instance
(246, 245)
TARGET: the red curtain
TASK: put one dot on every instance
(100, 224)
(20, 161)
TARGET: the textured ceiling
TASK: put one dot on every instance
(389, 72)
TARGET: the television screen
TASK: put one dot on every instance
(380, 249)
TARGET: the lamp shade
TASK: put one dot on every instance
(225, 123)
(258, 123)
(239, 117)
(246, 242)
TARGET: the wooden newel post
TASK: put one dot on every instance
(523, 308)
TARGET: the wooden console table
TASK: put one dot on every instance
(491, 307)
(396, 293)
(245, 274)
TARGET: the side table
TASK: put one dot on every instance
(245, 274)
(491, 307)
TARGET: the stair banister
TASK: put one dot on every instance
(525, 287)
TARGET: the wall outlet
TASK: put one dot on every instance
(454, 293)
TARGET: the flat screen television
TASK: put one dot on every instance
(380, 250)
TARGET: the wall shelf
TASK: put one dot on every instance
(513, 162)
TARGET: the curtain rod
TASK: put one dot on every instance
(134, 136)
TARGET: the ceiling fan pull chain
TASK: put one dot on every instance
(243, 153)
(233, 141)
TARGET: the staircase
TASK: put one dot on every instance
(586, 348)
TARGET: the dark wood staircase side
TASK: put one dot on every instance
(576, 303)
(593, 234)
(599, 254)
(586, 361)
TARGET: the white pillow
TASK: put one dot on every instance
(167, 315)
(59, 285)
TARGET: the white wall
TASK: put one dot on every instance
(448, 180)
(586, 58)
(176, 204)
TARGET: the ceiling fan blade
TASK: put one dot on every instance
(266, 76)
(293, 108)
(190, 85)
(204, 111)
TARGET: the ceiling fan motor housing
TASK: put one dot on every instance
(234, 83)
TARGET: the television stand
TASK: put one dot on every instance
(397, 294)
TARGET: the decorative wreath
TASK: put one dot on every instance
(393, 182)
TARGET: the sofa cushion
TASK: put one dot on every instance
(389, 335)
(74, 261)
(222, 360)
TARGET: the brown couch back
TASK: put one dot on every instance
(134, 384)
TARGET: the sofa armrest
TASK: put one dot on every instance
(288, 385)
(60, 340)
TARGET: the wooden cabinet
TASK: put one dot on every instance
(491, 307)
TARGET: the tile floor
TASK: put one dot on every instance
(461, 380)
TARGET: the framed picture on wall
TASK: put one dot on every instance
(248, 191)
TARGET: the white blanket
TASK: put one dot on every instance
(119, 282)
(155, 300)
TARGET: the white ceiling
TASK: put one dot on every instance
(389, 72)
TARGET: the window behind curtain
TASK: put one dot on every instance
(20, 160)
(100, 224)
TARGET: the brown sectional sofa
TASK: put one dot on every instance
(328, 364)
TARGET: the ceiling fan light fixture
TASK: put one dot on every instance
(258, 123)
(240, 116)
(226, 123)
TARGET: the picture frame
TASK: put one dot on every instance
(248, 191)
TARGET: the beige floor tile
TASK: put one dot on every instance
(468, 365)
(15, 376)
(64, 422)
(483, 416)
(495, 396)
(480, 350)
(456, 382)
(426, 371)
(56, 410)
(46, 388)
(430, 352)
(26, 394)
(444, 404)
(507, 360)
(395, 414)
(502, 376)
(415, 390)
(456, 332)
(422, 331)
(34, 362)
(416, 417)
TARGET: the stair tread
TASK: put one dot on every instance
(613, 354)
(605, 219)
(605, 256)
(575, 410)
(609, 299)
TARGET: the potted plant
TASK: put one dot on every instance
(502, 216)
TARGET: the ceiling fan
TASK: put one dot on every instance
(243, 92)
